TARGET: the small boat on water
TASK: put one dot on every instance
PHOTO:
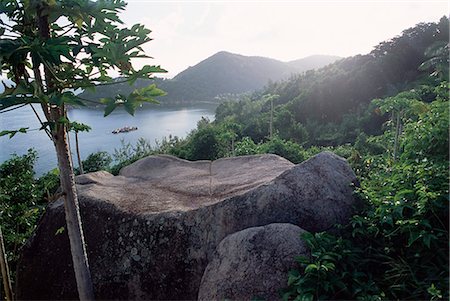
(125, 129)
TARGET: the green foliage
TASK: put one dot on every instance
(97, 161)
(128, 153)
(438, 57)
(22, 200)
(205, 144)
(431, 134)
(246, 147)
(397, 248)
(286, 149)
(48, 184)
(287, 128)
(331, 272)
(79, 127)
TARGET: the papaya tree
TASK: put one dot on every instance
(48, 50)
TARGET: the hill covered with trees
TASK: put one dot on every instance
(331, 105)
(218, 76)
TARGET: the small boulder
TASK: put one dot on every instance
(253, 263)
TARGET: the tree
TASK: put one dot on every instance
(437, 60)
(77, 127)
(271, 98)
(402, 106)
(50, 48)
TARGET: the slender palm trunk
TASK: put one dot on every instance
(73, 220)
(397, 134)
(271, 119)
(80, 163)
(232, 146)
(5, 270)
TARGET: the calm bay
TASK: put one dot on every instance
(153, 122)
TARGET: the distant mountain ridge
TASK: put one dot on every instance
(227, 72)
(313, 62)
(221, 73)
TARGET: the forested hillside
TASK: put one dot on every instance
(218, 76)
(329, 106)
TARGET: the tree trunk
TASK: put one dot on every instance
(271, 119)
(80, 163)
(232, 146)
(67, 178)
(397, 134)
(5, 270)
(73, 220)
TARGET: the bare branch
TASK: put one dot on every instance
(40, 121)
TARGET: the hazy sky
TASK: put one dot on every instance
(186, 32)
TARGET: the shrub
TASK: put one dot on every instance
(128, 153)
(286, 149)
(97, 161)
(21, 202)
(246, 147)
(398, 247)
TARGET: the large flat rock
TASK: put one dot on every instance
(165, 183)
(152, 230)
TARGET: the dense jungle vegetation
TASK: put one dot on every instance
(386, 112)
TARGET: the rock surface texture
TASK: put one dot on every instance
(253, 263)
(152, 230)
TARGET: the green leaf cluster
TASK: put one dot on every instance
(23, 198)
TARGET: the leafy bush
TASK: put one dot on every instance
(398, 247)
(286, 149)
(97, 161)
(48, 184)
(246, 147)
(205, 144)
(22, 200)
(128, 153)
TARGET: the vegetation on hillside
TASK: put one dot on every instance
(397, 247)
